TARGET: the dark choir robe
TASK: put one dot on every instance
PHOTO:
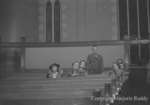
(95, 63)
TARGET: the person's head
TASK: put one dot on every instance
(94, 48)
(54, 67)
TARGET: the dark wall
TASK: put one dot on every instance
(18, 18)
(133, 19)
(123, 19)
(5, 17)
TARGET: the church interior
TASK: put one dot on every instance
(74, 52)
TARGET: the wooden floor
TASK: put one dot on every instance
(21, 88)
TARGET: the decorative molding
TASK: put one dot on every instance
(42, 20)
(75, 44)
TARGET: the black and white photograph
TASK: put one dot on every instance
(74, 52)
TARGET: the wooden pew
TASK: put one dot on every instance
(36, 86)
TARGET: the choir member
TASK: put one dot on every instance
(95, 62)
(75, 68)
(82, 68)
(54, 71)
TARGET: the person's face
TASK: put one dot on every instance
(54, 68)
(94, 49)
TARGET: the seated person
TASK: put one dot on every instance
(82, 68)
(75, 68)
(54, 71)
(120, 63)
(95, 62)
(118, 66)
(79, 68)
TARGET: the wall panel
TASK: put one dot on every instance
(41, 58)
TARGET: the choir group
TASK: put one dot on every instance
(93, 64)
